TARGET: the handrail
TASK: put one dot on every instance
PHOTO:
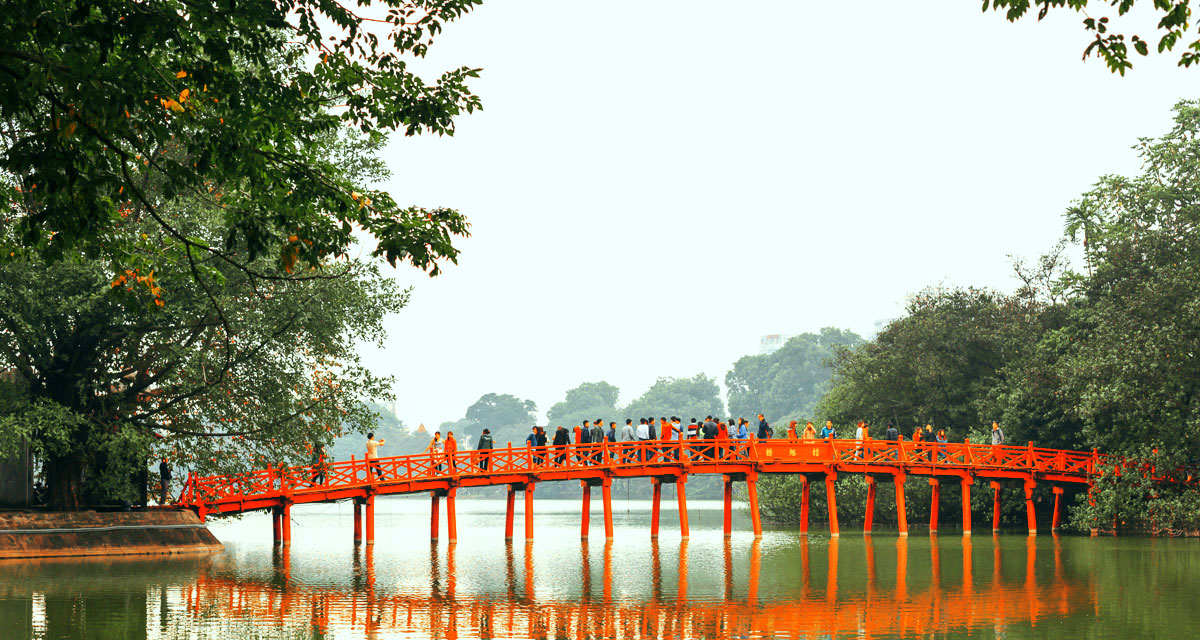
(692, 455)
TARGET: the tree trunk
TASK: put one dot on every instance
(64, 483)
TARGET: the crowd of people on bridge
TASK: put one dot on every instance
(564, 447)
(720, 438)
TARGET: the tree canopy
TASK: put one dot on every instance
(588, 401)
(686, 398)
(788, 383)
(113, 107)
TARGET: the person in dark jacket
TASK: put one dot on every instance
(561, 440)
(764, 429)
(892, 433)
(710, 430)
(597, 439)
(485, 447)
(164, 479)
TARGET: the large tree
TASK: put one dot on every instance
(216, 368)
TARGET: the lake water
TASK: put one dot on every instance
(879, 586)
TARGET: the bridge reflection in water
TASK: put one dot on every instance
(881, 601)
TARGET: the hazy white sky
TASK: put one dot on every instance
(654, 185)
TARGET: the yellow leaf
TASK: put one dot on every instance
(183, 95)
(354, 195)
(181, 74)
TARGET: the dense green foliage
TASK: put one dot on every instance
(1109, 44)
(687, 398)
(788, 383)
(588, 401)
(1104, 357)
(103, 100)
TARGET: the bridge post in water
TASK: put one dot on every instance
(606, 496)
(804, 505)
(276, 525)
(869, 517)
(287, 523)
(831, 501)
(901, 509)
(933, 504)
(966, 504)
(1054, 524)
(655, 506)
(585, 520)
(434, 498)
(1030, 516)
(995, 506)
(369, 516)
(529, 512)
(685, 531)
(451, 517)
(357, 521)
(508, 512)
(727, 494)
(752, 489)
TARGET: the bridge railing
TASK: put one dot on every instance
(697, 454)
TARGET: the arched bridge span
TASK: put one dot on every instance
(663, 462)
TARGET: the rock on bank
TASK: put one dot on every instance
(90, 533)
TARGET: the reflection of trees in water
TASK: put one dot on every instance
(884, 599)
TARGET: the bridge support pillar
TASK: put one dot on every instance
(655, 506)
(1054, 524)
(434, 499)
(831, 499)
(804, 505)
(901, 508)
(357, 521)
(276, 524)
(752, 489)
(509, 508)
(933, 504)
(727, 493)
(286, 524)
(869, 517)
(586, 518)
(451, 517)
(529, 512)
(995, 506)
(606, 496)
(966, 505)
(1030, 516)
(681, 496)
(369, 516)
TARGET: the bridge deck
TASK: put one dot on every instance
(673, 461)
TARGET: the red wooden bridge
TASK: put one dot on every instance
(662, 461)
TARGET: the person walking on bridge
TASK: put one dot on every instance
(997, 434)
(764, 429)
(450, 447)
(373, 453)
(485, 447)
(860, 434)
(561, 441)
(892, 435)
(828, 432)
(597, 441)
(791, 432)
(318, 464)
(435, 451)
